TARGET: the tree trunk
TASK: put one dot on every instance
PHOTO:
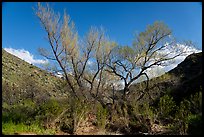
(125, 90)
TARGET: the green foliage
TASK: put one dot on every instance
(144, 109)
(147, 111)
(144, 37)
(141, 115)
(5, 106)
(166, 107)
(101, 116)
(196, 102)
(76, 115)
(48, 111)
(165, 77)
(27, 113)
(19, 113)
(182, 115)
(126, 52)
(79, 110)
(189, 114)
(49, 107)
(10, 128)
(184, 110)
(195, 125)
(21, 118)
(119, 117)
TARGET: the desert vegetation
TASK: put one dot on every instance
(90, 98)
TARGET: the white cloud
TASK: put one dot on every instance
(59, 74)
(25, 55)
(159, 70)
(89, 62)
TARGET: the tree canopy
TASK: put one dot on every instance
(94, 62)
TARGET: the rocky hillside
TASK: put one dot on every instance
(180, 82)
(190, 76)
(21, 79)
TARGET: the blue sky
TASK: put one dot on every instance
(21, 29)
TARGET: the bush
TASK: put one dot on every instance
(47, 112)
(189, 114)
(79, 111)
(75, 115)
(10, 93)
(194, 125)
(101, 116)
(27, 112)
(19, 113)
(141, 116)
(166, 107)
(182, 115)
(51, 107)
(147, 111)
(196, 103)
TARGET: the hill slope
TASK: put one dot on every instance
(21, 80)
(28, 94)
(180, 82)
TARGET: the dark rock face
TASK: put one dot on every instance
(191, 66)
(190, 72)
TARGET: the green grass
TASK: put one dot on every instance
(10, 128)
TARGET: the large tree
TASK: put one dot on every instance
(153, 47)
(81, 61)
(93, 63)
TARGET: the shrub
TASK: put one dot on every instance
(101, 116)
(188, 116)
(79, 111)
(194, 125)
(75, 115)
(141, 116)
(182, 116)
(196, 103)
(147, 112)
(48, 111)
(20, 113)
(166, 107)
